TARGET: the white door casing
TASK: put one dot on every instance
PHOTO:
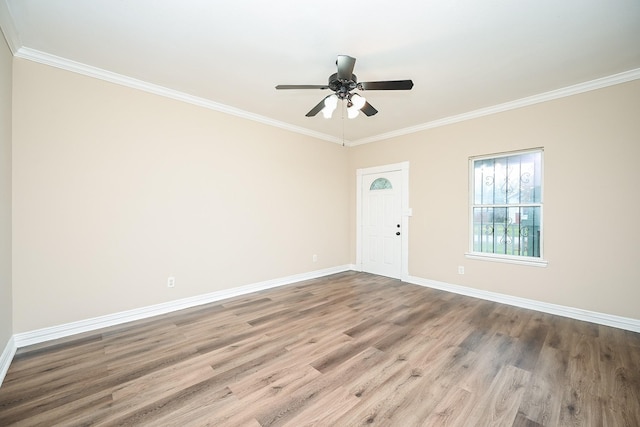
(382, 220)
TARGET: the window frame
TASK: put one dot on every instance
(489, 256)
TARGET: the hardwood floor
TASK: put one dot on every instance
(346, 350)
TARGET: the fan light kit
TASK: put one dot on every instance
(342, 84)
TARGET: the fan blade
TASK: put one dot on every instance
(386, 85)
(302, 87)
(315, 110)
(345, 67)
(368, 109)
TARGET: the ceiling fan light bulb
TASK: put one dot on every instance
(352, 112)
(358, 101)
(331, 102)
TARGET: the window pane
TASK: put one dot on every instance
(484, 182)
(523, 179)
(512, 182)
(500, 181)
(381, 184)
(508, 180)
(529, 230)
(537, 177)
(507, 231)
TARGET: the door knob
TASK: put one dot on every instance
(397, 233)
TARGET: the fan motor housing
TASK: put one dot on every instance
(342, 88)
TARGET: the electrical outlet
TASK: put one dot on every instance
(171, 282)
(314, 258)
(460, 269)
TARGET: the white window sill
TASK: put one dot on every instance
(536, 262)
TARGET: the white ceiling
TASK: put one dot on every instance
(463, 56)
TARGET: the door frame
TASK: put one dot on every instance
(403, 167)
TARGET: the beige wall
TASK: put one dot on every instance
(592, 239)
(116, 189)
(6, 309)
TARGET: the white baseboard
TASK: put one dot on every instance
(560, 310)
(7, 357)
(68, 329)
(61, 331)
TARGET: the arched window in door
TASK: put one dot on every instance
(381, 184)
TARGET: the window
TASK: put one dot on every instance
(506, 207)
(381, 184)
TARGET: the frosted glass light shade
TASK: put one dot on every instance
(352, 112)
(330, 104)
(358, 101)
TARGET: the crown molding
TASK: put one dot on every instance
(87, 70)
(98, 73)
(8, 29)
(600, 83)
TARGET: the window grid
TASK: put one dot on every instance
(506, 205)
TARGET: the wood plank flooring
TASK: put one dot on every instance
(345, 350)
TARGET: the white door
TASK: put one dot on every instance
(382, 223)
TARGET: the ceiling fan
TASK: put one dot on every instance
(342, 84)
